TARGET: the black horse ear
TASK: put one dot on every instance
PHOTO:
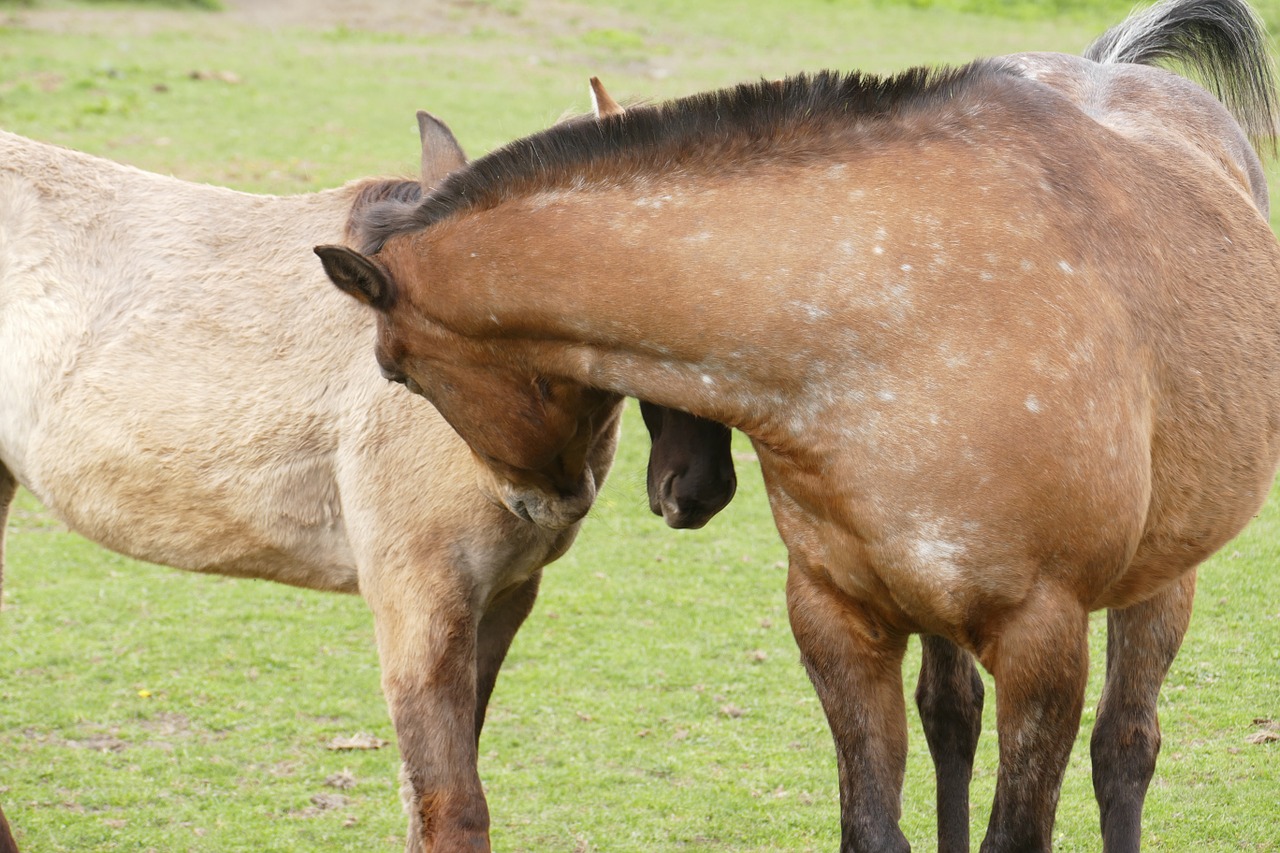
(358, 276)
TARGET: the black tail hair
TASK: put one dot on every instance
(1222, 42)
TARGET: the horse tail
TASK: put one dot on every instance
(1222, 42)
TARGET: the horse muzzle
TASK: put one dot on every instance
(552, 510)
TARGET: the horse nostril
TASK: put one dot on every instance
(662, 493)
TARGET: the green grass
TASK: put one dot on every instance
(654, 700)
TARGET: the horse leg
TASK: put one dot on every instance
(7, 844)
(8, 488)
(1142, 641)
(497, 629)
(949, 696)
(426, 631)
(855, 665)
(1039, 656)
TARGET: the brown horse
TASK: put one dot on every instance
(1006, 339)
(697, 454)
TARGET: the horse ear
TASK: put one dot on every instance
(602, 103)
(441, 153)
(358, 276)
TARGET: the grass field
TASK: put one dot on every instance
(654, 701)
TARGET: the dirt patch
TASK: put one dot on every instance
(161, 733)
(606, 40)
(167, 724)
(403, 17)
(321, 803)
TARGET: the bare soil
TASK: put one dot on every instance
(405, 17)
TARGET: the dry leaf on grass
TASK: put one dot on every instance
(221, 76)
(1270, 731)
(361, 740)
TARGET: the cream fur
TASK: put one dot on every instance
(183, 384)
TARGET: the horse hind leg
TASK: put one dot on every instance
(1142, 641)
(1039, 657)
(949, 695)
(8, 488)
(7, 844)
(855, 665)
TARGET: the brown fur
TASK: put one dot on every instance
(7, 844)
(1006, 340)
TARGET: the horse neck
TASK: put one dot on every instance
(651, 294)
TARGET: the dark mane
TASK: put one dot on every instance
(379, 191)
(727, 127)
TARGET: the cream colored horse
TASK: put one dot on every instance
(181, 384)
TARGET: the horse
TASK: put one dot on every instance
(1005, 338)
(690, 477)
(700, 481)
(143, 407)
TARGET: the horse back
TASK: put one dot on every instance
(180, 382)
(1154, 106)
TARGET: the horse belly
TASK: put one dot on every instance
(1197, 507)
(192, 500)
(285, 526)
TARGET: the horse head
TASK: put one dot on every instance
(690, 476)
(541, 439)
(545, 443)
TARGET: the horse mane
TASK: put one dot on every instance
(378, 191)
(726, 128)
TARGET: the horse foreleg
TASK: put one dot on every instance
(498, 628)
(855, 665)
(1142, 641)
(1039, 657)
(7, 844)
(949, 695)
(426, 630)
(8, 488)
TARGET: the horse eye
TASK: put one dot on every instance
(544, 388)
